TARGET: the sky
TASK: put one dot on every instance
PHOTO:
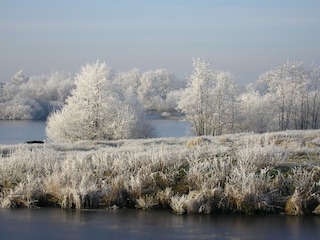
(247, 37)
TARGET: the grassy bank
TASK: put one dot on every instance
(240, 173)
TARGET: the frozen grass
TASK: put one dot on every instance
(242, 173)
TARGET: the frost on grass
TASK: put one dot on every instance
(241, 173)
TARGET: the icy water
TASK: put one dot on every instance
(136, 224)
(170, 128)
(14, 132)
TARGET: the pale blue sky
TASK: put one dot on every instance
(245, 37)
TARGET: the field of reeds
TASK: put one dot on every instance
(239, 173)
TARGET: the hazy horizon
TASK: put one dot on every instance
(246, 38)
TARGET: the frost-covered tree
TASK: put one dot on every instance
(129, 82)
(94, 111)
(11, 89)
(208, 99)
(172, 98)
(255, 111)
(154, 88)
(49, 91)
(223, 101)
(314, 98)
(195, 99)
(293, 93)
(1, 90)
(287, 84)
(19, 109)
(18, 77)
(34, 97)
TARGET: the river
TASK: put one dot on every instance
(14, 132)
(137, 224)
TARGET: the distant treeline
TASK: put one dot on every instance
(286, 97)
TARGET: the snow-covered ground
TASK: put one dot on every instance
(248, 173)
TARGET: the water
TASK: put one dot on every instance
(14, 132)
(133, 224)
(170, 128)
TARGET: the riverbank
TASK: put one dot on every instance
(239, 173)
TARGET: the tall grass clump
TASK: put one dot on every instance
(72, 182)
(306, 190)
(21, 174)
(238, 173)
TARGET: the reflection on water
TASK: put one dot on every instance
(133, 224)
